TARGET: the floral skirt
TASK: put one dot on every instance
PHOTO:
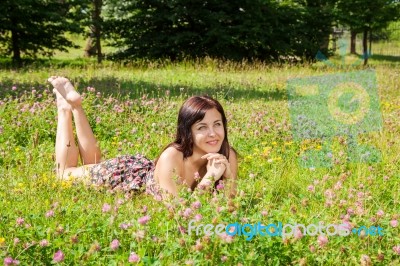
(127, 173)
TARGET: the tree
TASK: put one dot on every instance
(93, 45)
(314, 26)
(364, 16)
(180, 28)
(237, 29)
(353, 36)
(33, 27)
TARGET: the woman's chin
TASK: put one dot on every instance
(214, 150)
(210, 149)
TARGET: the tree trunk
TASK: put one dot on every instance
(15, 42)
(370, 43)
(365, 46)
(93, 44)
(334, 43)
(15, 46)
(324, 44)
(353, 36)
(89, 48)
(97, 23)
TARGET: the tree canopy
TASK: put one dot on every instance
(37, 27)
(269, 30)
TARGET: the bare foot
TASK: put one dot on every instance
(66, 90)
(62, 104)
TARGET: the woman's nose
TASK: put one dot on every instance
(211, 132)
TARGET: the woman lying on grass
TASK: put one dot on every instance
(200, 156)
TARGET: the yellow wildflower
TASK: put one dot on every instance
(266, 151)
(66, 183)
(2, 241)
(45, 178)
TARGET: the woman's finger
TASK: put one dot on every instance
(211, 154)
(214, 156)
(222, 161)
(208, 154)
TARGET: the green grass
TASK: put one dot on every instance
(272, 185)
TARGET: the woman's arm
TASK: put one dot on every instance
(231, 181)
(224, 168)
(167, 168)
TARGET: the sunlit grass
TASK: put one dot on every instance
(272, 185)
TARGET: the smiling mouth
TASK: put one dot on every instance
(214, 142)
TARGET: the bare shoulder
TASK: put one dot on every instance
(171, 154)
(168, 166)
(232, 154)
(233, 161)
(169, 161)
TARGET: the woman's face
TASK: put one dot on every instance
(208, 133)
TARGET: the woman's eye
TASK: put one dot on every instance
(218, 124)
(201, 128)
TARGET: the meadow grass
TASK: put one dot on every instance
(133, 109)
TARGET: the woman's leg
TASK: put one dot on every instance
(69, 102)
(67, 152)
(88, 145)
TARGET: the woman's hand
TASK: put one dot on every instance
(217, 165)
(215, 170)
(226, 168)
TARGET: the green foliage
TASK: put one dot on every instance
(393, 31)
(267, 30)
(362, 15)
(176, 29)
(37, 27)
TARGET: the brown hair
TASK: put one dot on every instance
(193, 110)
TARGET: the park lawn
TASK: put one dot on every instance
(133, 109)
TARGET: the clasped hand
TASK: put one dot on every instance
(217, 165)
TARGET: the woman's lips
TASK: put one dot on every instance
(213, 142)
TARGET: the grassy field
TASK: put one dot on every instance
(133, 109)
